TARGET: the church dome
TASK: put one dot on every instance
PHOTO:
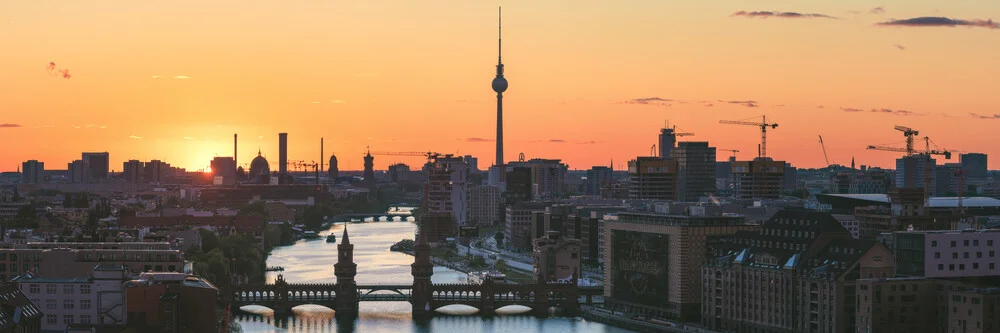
(259, 167)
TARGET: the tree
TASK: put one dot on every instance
(27, 212)
(257, 208)
(81, 201)
(68, 200)
(500, 265)
(499, 238)
(209, 241)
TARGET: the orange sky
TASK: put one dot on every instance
(415, 76)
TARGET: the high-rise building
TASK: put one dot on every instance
(282, 154)
(548, 176)
(79, 172)
(668, 140)
(156, 171)
(947, 179)
(222, 169)
(398, 173)
(133, 171)
(695, 170)
(652, 178)
(472, 162)
(98, 165)
(334, 170)
(798, 273)
(33, 172)
(449, 188)
(910, 172)
(484, 205)
(947, 253)
(518, 185)
(653, 262)
(518, 224)
(598, 177)
(975, 164)
(762, 178)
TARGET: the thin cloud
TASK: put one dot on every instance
(895, 112)
(477, 140)
(985, 116)
(366, 74)
(900, 47)
(820, 107)
(134, 137)
(338, 101)
(649, 100)
(708, 105)
(935, 21)
(188, 138)
(314, 102)
(851, 110)
(590, 142)
(877, 10)
(8, 125)
(182, 77)
(156, 76)
(768, 14)
(749, 104)
(557, 140)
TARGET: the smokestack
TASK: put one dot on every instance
(320, 158)
(282, 153)
(236, 164)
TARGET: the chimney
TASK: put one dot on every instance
(236, 163)
(320, 158)
(282, 153)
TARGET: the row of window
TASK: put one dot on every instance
(975, 242)
(67, 319)
(965, 255)
(34, 288)
(961, 267)
(68, 304)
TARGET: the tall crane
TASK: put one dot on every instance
(821, 144)
(428, 154)
(763, 124)
(926, 154)
(734, 151)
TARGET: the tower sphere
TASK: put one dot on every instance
(499, 84)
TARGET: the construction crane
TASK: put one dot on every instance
(314, 165)
(909, 133)
(821, 144)
(652, 150)
(428, 154)
(734, 151)
(926, 154)
(763, 124)
(676, 133)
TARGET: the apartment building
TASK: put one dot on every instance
(94, 299)
(64, 263)
(947, 253)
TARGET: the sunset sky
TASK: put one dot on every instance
(590, 81)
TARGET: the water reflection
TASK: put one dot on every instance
(312, 262)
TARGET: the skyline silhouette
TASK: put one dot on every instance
(593, 82)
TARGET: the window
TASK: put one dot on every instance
(954, 255)
(50, 289)
(965, 255)
(975, 265)
(992, 253)
(85, 289)
(50, 304)
(85, 304)
(937, 255)
(965, 242)
(975, 242)
(940, 267)
(85, 319)
(992, 266)
(67, 304)
(933, 243)
(961, 267)
(979, 255)
(50, 319)
(35, 289)
(67, 319)
(953, 243)
(951, 267)
(989, 242)
(67, 289)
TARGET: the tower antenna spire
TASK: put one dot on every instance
(500, 35)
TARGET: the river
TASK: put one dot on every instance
(311, 261)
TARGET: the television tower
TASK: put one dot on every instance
(499, 86)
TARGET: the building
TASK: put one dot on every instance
(653, 262)
(850, 223)
(518, 185)
(260, 170)
(223, 169)
(668, 140)
(18, 314)
(33, 172)
(94, 298)
(547, 176)
(333, 171)
(556, 258)
(598, 177)
(917, 304)
(98, 165)
(79, 172)
(484, 205)
(133, 171)
(762, 178)
(869, 181)
(368, 176)
(652, 178)
(519, 221)
(974, 164)
(398, 173)
(472, 162)
(65, 263)
(156, 171)
(170, 302)
(947, 179)
(947, 253)
(695, 170)
(282, 154)
(797, 274)
(910, 172)
(974, 311)
(448, 188)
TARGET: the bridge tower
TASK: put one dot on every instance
(346, 288)
(422, 269)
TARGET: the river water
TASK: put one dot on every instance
(311, 261)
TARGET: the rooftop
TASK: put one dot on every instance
(935, 202)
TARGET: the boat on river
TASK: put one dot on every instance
(331, 238)
(310, 235)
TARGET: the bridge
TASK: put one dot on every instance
(424, 296)
(377, 217)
